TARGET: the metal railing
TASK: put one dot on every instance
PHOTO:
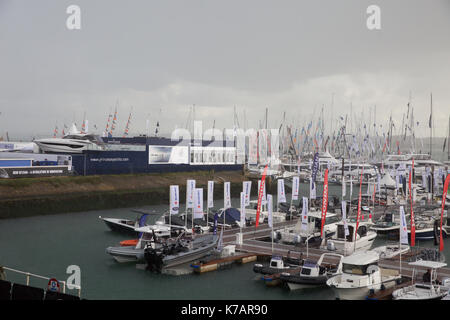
(28, 275)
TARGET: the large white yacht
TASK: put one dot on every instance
(73, 142)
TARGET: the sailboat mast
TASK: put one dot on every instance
(431, 122)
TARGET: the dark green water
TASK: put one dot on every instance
(47, 245)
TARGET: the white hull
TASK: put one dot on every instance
(64, 146)
(297, 286)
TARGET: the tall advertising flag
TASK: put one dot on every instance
(190, 193)
(198, 200)
(174, 199)
(324, 201)
(226, 196)
(444, 194)
(344, 187)
(260, 195)
(264, 192)
(344, 217)
(269, 207)
(359, 204)
(242, 209)
(210, 194)
(305, 215)
(246, 187)
(281, 194)
(295, 187)
(413, 223)
(403, 228)
(315, 168)
(312, 189)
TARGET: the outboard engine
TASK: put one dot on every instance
(297, 239)
(436, 235)
(446, 282)
(331, 246)
(278, 236)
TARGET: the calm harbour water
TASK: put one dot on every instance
(47, 245)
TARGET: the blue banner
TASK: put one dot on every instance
(315, 168)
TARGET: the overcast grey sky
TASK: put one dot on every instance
(163, 56)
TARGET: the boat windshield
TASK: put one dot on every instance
(356, 269)
(333, 219)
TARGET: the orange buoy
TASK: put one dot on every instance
(128, 243)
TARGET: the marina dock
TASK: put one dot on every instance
(253, 244)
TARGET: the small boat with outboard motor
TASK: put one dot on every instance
(125, 226)
(277, 264)
(133, 251)
(314, 274)
(175, 251)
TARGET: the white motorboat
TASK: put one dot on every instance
(428, 289)
(387, 224)
(295, 234)
(250, 213)
(313, 274)
(73, 142)
(360, 275)
(347, 244)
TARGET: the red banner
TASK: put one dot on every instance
(359, 204)
(444, 195)
(324, 201)
(413, 222)
(260, 195)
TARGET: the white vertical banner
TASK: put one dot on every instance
(344, 217)
(269, 208)
(198, 200)
(174, 199)
(305, 215)
(246, 188)
(281, 195)
(403, 227)
(312, 189)
(226, 195)
(190, 188)
(344, 187)
(264, 200)
(295, 187)
(210, 194)
(242, 209)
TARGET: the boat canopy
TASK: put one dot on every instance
(361, 258)
(232, 213)
(428, 264)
